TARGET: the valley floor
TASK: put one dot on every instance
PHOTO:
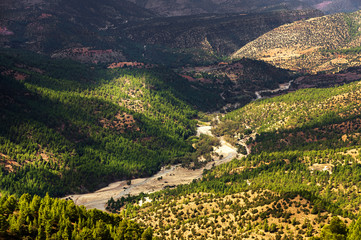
(168, 177)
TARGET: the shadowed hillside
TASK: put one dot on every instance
(48, 26)
(112, 31)
(189, 7)
(221, 34)
(70, 127)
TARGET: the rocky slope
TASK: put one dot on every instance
(327, 43)
(336, 5)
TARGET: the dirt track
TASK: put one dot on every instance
(170, 176)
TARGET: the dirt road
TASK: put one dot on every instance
(282, 87)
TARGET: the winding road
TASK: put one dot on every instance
(282, 87)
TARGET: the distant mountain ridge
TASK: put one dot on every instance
(189, 7)
(219, 33)
(46, 26)
(114, 31)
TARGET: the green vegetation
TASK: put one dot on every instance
(67, 127)
(353, 23)
(70, 127)
(354, 50)
(305, 151)
(204, 147)
(51, 218)
(305, 108)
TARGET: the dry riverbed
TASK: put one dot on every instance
(170, 176)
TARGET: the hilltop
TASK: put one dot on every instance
(329, 43)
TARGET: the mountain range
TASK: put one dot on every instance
(189, 7)
(110, 32)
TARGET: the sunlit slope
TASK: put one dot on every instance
(328, 43)
(303, 169)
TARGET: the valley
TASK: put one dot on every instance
(268, 142)
(301, 168)
(148, 119)
(168, 177)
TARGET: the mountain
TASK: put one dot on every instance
(328, 43)
(221, 33)
(145, 115)
(189, 7)
(112, 31)
(335, 5)
(49, 26)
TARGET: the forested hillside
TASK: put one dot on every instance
(51, 218)
(303, 170)
(47, 26)
(70, 127)
(221, 34)
(116, 100)
(237, 82)
(112, 31)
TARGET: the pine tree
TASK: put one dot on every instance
(147, 234)
(336, 230)
(355, 230)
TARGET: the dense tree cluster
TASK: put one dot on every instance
(51, 218)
